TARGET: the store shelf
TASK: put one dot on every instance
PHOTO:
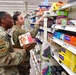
(36, 71)
(55, 51)
(35, 62)
(63, 65)
(40, 38)
(65, 45)
(48, 29)
(68, 5)
(33, 23)
(67, 27)
(34, 16)
(49, 14)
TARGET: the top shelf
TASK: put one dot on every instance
(68, 5)
(49, 14)
(67, 27)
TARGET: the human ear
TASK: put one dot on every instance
(3, 21)
(16, 22)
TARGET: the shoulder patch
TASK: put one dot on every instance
(3, 46)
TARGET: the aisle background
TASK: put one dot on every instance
(22, 5)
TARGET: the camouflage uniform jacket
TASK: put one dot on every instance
(8, 58)
(23, 68)
(17, 32)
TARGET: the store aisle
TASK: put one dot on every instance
(32, 71)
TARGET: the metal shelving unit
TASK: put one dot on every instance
(62, 43)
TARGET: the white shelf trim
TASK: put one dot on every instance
(67, 28)
(48, 29)
(68, 5)
(63, 65)
(37, 65)
(49, 14)
(40, 38)
(65, 45)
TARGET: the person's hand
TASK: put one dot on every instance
(30, 46)
(39, 20)
(25, 47)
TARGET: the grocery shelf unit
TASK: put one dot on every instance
(60, 42)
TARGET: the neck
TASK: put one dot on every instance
(4, 26)
(19, 26)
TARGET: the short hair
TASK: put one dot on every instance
(2, 15)
(15, 16)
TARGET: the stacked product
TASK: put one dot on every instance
(68, 58)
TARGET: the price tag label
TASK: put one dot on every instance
(65, 45)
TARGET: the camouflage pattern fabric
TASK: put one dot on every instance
(8, 58)
(17, 32)
(25, 67)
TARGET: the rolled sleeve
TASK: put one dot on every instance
(35, 30)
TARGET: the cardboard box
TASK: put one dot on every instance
(64, 59)
(27, 42)
(26, 39)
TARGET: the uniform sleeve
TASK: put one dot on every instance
(35, 30)
(16, 34)
(8, 58)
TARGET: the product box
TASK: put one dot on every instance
(26, 39)
(64, 22)
(73, 40)
(73, 66)
(64, 13)
(73, 58)
(67, 38)
(43, 8)
(70, 39)
(64, 59)
(58, 35)
(66, 52)
(70, 55)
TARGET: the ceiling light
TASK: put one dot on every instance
(11, 5)
(48, 2)
(12, 8)
(12, 1)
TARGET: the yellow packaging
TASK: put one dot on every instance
(68, 58)
(73, 66)
(73, 58)
(64, 59)
(56, 5)
(66, 52)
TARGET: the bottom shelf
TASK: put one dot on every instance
(63, 65)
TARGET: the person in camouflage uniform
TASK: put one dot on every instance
(9, 59)
(17, 31)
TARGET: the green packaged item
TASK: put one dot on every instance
(62, 13)
(64, 22)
